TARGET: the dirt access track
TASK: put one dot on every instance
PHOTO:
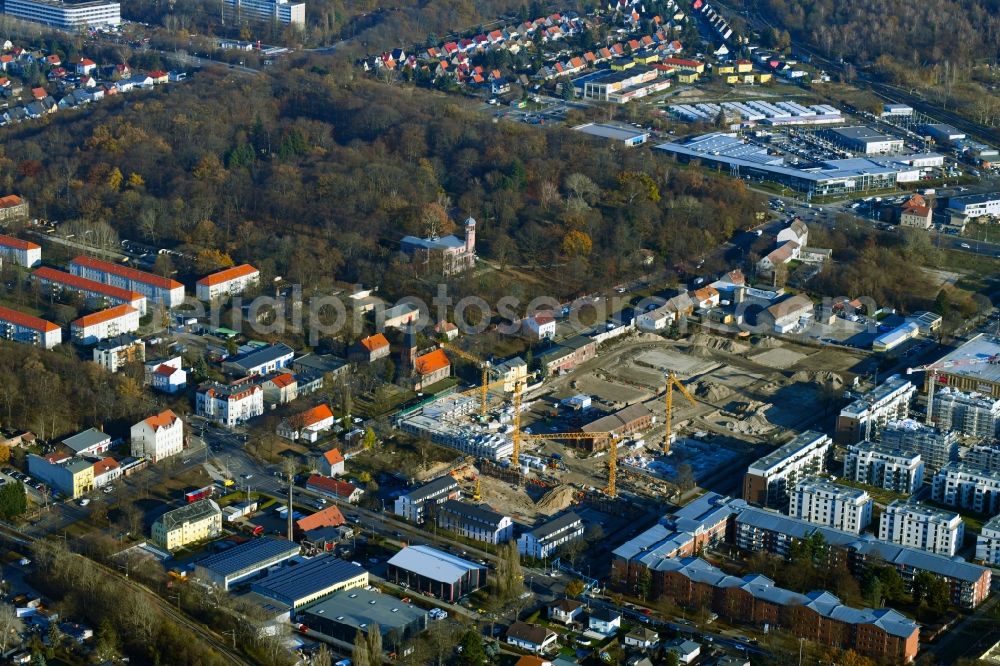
(749, 391)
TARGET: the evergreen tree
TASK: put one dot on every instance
(472, 649)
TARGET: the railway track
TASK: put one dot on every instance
(211, 638)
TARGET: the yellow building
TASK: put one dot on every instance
(622, 65)
(198, 521)
(725, 69)
(71, 476)
(687, 77)
(764, 77)
(646, 58)
(744, 66)
(732, 79)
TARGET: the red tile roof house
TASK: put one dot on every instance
(331, 516)
(372, 348)
(331, 463)
(431, 367)
(341, 490)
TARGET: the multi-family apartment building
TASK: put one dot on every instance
(967, 486)
(114, 353)
(230, 404)
(109, 323)
(542, 541)
(70, 475)
(476, 522)
(922, 527)
(988, 542)
(157, 289)
(418, 505)
(198, 521)
(972, 414)
(279, 11)
(24, 328)
(228, 282)
(765, 530)
(864, 418)
(884, 466)
(823, 502)
(12, 207)
(66, 15)
(157, 437)
(20, 252)
(94, 292)
(883, 634)
(936, 447)
(770, 480)
(986, 456)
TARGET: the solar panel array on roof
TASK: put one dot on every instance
(300, 581)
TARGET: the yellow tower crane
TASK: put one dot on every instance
(611, 490)
(484, 367)
(672, 381)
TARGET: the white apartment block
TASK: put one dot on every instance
(229, 282)
(230, 404)
(91, 290)
(20, 252)
(109, 323)
(19, 327)
(158, 437)
(966, 486)
(64, 15)
(281, 11)
(475, 522)
(884, 466)
(986, 456)
(863, 418)
(823, 502)
(936, 447)
(972, 414)
(113, 353)
(542, 541)
(157, 289)
(917, 526)
(988, 542)
(770, 480)
(415, 505)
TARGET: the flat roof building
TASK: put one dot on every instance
(971, 414)
(769, 481)
(865, 140)
(967, 486)
(884, 466)
(542, 541)
(432, 571)
(343, 614)
(975, 205)
(244, 560)
(823, 502)
(415, 505)
(988, 542)
(630, 136)
(936, 447)
(922, 527)
(189, 524)
(864, 418)
(982, 378)
(65, 15)
(307, 582)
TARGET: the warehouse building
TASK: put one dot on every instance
(307, 582)
(864, 418)
(343, 614)
(241, 562)
(975, 205)
(629, 136)
(897, 336)
(865, 140)
(770, 480)
(884, 466)
(431, 571)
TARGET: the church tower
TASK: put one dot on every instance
(470, 236)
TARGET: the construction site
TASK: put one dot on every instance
(646, 417)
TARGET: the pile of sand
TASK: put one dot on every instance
(556, 500)
(703, 343)
(768, 343)
(823, 377)
(711, 391)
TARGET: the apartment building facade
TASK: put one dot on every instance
(884, 466)
(157, 289)
(157, 437)
(230, 404)
(114, 321)
(228, 282)
(476, 522)
(20, 252)
(864, 418)
(966, 486)
(823, 502)
(988, 542)
(770, 480)
(20, 327)
(936, 447)
(922, 527)
(972, 414)
(417, 505)
(105, 295)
